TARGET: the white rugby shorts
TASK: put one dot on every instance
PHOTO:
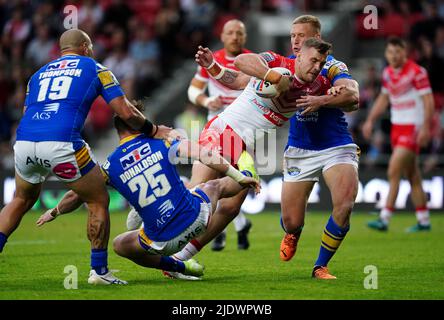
(170, 247)
(35, 160)
(308, 165)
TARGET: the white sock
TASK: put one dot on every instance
(423, 217)
(385, 215)
(240, 221)
(187, 252)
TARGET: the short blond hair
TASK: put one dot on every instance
(312, 20)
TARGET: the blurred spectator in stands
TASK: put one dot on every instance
(168, 25)
(90, 13)
(6, 86)
(439, 42)
(121, 63)
(16, 30)
(46, 12)
(429, 25)
(117, 15)
(228, 10)
(7, 156)
(198, 26)
(38, 51)
(145, 52)
(434, 65)
(191, 120)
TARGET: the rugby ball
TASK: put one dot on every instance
(265, 89)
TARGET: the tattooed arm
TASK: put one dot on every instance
(229, 78)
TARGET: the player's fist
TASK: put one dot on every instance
(204, 57)
(423, 137)
(248, 182)
(333, 91)
(213, 103)
(283, 85)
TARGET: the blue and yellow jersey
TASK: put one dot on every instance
(141, 170)
(327, 127)
(59, 96)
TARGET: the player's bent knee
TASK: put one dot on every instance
(292, 224)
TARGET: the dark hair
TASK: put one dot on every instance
(320, 45)
(396, 41)
(312, 20)
(121, 125)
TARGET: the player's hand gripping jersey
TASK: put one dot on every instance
(227, 95)
(327, 127)
(140, 169)
(249, 112)
(59, 97)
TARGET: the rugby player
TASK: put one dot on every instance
(318, 143)
(142, 170)
(406, 87)
(250, 114)
(233, 38)
(58, 98)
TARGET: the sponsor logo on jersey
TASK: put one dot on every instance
(48, 110)
(135, 156)
(64, 64)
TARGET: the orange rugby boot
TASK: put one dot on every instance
(288, 246)
(320, 272)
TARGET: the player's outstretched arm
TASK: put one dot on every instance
(70, 202)
(424, 133)
(136, 120)
(193, 150)
(229, 78)
(379, 107)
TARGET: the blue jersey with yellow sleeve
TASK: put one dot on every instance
(141, 170)
(59, 96)
(327, 127)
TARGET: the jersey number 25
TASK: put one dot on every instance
(158, 184)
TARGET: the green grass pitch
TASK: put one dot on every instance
(409, 266)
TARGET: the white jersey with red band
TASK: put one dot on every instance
(215, 88)
(249, 112)
(405, 86)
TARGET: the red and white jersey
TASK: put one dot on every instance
(405, 86)
(215, 88)
(250, 115)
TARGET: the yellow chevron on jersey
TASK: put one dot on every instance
(107, 79)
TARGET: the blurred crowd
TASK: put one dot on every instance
(142, 41)
(421, 23)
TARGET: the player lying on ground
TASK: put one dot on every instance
(172, 215)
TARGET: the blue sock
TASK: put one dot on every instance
(3, 239)
(99, 260)
(330, 242)
(171, 264)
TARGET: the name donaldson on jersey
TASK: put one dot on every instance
(141, 166)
